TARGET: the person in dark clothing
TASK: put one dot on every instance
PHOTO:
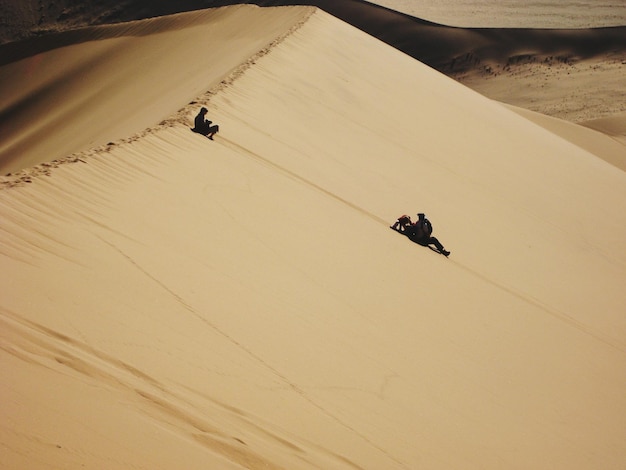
(203, 126)
(421, 232)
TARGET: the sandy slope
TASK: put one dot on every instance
(574, 74)
(174, 302)
(85, 95)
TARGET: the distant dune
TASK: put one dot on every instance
(449, 49)
(115, 81)
(442, 47)
(172, 302)
(523, 67)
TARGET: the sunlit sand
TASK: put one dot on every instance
(169, 301)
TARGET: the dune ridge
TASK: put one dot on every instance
(534, 63)
(48, 113)
(551, 71)
(555, 72)
(445, 48)
(173, 302)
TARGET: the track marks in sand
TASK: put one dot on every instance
(182, 116)
(241, 149)
(586, 329)
(292, 386)
(191, 423)
(26, 234)
(572, 322)
(29, 175)
(42, 346)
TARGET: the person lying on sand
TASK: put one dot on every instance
(203, 126)
(419, 232)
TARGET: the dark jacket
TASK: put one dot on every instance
(201, 125)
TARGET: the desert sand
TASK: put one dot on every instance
(573, 74)
(169, 301)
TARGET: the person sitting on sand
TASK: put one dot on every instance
(419, 232)
(402, 222)
(203, 126)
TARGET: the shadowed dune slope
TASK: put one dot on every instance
(176, 302)
(571, 74)
(120, 79)
(442, 47)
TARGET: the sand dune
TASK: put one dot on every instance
(442, 47)
(121, 79)
(605, 138)
(614, 126)
(574, 74)
(172, 302)
(449, 48)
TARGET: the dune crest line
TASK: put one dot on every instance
(23, 158)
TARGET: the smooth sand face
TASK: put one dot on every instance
(172, 302)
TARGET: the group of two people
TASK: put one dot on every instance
(420, 232)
